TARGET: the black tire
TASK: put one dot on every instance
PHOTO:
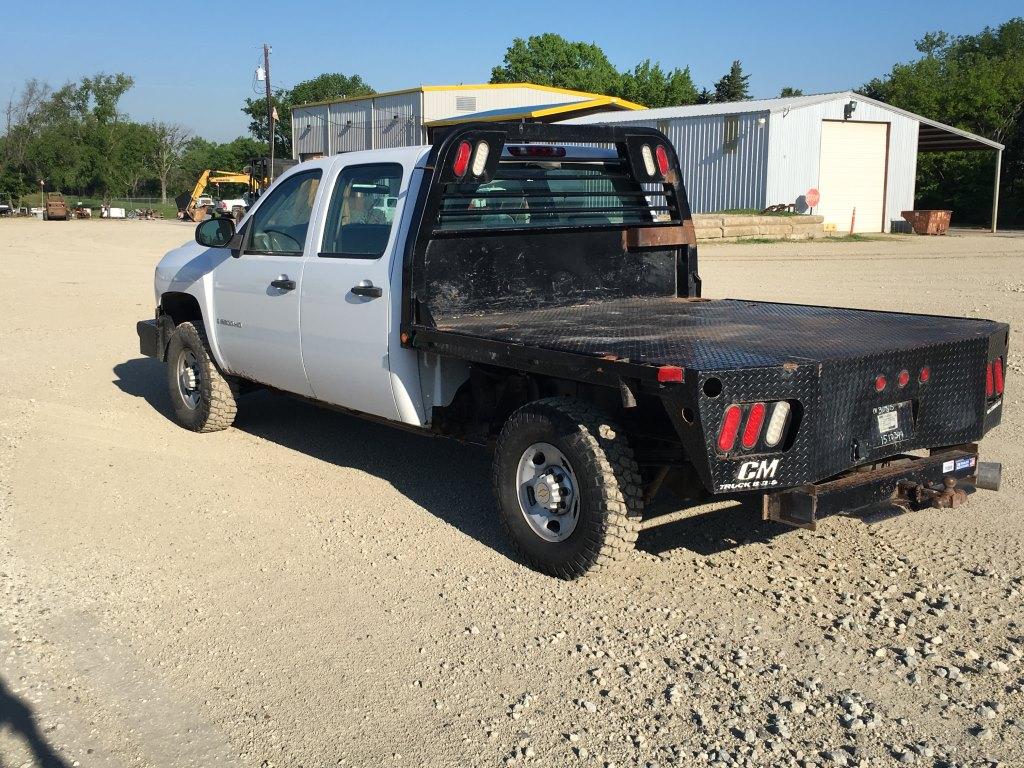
(609, 486)
(216, 393)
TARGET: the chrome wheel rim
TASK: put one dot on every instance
(547, 491)
(189, 378)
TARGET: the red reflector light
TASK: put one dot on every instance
(461, 164)
(539, 150)
(880, 383)
(730, 426)
(752, 430)
(662, 157)
(990, 387)
(926, 373)
(670, 374)
(903, 379)
(997, 372)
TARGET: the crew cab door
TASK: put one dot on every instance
(346, 292)
(256, 296)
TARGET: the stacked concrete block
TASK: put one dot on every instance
(717, 226)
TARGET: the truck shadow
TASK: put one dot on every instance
(16, 717)
(450, 480)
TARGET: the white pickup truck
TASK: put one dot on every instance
(535, 288)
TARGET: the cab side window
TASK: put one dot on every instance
(280, 224)
(362, 211)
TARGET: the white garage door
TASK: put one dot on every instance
(852, 175)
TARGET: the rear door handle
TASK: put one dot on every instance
(283, 283)
(369, 291)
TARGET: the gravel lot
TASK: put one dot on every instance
(308, 589)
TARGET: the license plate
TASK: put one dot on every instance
(893, 423)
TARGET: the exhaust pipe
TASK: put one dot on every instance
(989, 475)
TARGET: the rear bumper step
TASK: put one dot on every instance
(910, 482)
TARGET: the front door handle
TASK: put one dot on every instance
(370, 291)
(283, 283)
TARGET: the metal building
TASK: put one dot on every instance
(407, 118)
(859, 154)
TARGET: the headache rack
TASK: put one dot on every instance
(521, 215)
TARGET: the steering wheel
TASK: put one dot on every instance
(279, 242)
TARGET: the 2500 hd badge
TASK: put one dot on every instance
(754, 474)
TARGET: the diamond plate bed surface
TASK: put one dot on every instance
(724, 334)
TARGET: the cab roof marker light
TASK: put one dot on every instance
(648, 156)
(480, 158)
(777, 424)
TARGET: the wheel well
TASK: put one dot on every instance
(181, 307)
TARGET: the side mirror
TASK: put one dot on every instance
(215, 233)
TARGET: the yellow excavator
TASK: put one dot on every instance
(196, 205)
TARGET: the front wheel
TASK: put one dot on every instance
(203, 398)
(568, 487)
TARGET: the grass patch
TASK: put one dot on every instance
(169, 210)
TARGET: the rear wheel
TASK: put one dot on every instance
(203, 398)
(568, 487)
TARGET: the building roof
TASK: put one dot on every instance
(479, 86)
(539, 112)
(933, 136)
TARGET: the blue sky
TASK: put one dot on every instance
(195, 66)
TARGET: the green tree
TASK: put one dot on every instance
(789, 91)
(733, 85)
(330, 85)
(550, 59)
(974, 82)
(650, 85)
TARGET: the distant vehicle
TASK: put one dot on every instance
(5, 210)
(236, 205)
(56, 208)
(532, 292)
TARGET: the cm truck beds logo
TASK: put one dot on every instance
(754, 474)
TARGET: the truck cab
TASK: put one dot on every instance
(535, 289)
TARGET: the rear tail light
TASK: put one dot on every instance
(645, 152)
(990, 387)
(730, 427)
(662, 156)
(752, 430)
(777, 424)
(670, 374)
(997, 374)
(461, 164)
(480, 157)
(880, 383)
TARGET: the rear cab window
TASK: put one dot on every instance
(362, 211)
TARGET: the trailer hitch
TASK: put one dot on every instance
(948, 497)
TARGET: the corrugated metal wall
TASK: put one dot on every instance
(309, 131)
(718, 177)
(442, 104)
(795, 152)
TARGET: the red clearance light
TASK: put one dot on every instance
(730, 426)
(752, 430)
(903, 379)
(538, 150)
(926, 373)
(461, 164)
(662, 157)
(997, 371)
(990, 387)
(880, 383)
(670, 374)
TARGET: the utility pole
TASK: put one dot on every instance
(270, 110)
